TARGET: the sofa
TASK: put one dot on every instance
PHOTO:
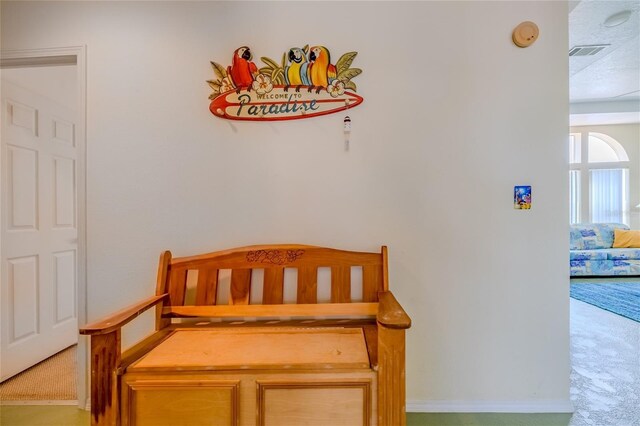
(591, 252)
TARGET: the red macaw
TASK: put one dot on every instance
(321, 71)
(242, 71)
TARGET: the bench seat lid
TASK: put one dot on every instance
(257, 349)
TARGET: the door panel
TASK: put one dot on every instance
(63, 132)
(65, 190)
(23, 116)
(23, 298)
(39, 229)
(65, 278)
(23, 188)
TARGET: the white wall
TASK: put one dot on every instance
(454, 116)
(629, 137)
(58, 83)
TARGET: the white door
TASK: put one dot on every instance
(39, 229)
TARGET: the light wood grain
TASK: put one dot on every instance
(259, 347)
(163, 271)
(385, 268)
(317, 403)
(273, 290)
(207, 288)
(391, 376)
(311, 256)
(182, 402)
(240, 287)
(119, 319)
(371, 339)
(307, 291)
(205, 323)
(302, 310)
(249, 380)
(141, 348)
(177, 286)
(282, 348)
(340, 284)
(371, 282)
(162, 287)
(390, 313)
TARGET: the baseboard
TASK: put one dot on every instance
(526, 406)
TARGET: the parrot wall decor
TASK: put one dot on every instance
(242, 71)
(303, 84)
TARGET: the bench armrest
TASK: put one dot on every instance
(390, 313)
(117, 320)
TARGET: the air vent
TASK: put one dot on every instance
(587, 50)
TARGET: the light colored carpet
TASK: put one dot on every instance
(605, 373)
(53, 379)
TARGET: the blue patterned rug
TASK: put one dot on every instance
(622, 298)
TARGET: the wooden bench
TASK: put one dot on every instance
(231, 348)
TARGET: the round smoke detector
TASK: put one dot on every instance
(525, 34)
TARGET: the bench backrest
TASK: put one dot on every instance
(265, 266)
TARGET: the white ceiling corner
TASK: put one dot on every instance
(613, 74)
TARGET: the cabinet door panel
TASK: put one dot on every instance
(176, 402)
(336, 403)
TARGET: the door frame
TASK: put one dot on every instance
(72, 55)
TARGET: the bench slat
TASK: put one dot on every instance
(307, 285)
(240, 286)
(257, 311)
(178, 286)
(207, 286)
(371, 283)
(272, 293)
(340, 284)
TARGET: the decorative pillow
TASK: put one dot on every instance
(626, 239)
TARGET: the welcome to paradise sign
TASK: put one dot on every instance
(304, 84)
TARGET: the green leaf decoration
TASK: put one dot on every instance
(215, 85)
(265, 70)
(306, 49)
(276, 76)
(270, 62)
(350, 85)
(284, 59)
(345, 61)
(219, 70)
(349, 74)
(214, 95)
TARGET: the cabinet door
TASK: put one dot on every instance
(180, 402)
(314, 403)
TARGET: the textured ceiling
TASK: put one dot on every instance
(604, 88)
(614, 73)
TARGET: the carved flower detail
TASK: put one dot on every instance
(276, 257)
(262, 84)
(336, 88)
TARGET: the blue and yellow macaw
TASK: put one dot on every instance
(296, 73)
(321, 71)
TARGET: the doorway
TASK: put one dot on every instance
(43, 215)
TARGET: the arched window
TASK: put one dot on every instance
(605, 149)
(599, 179)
